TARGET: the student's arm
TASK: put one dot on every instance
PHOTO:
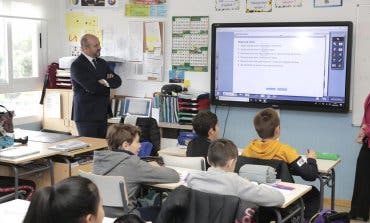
(147, 173)
(305, 169)
(261, 195)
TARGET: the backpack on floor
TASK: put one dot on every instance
(330, 216)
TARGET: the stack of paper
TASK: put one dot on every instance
(70, 145)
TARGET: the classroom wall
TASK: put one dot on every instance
(324, 132)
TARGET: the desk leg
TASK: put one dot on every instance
(69, 165)
(51, 166)
(322, 184)
(332, 188)
(278, 215)
(16, 181)
(302, 209)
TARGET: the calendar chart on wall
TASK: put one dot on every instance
(190, 43)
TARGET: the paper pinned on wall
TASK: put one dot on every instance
(145, 60)
(258, 6)
(158, 10)
(78, 24)
(153, 66)
(136, 35)
(327, 3)
(137, 10)
(288, 3)
(52, 105)
(221, 5)
(152, 36)
(134, 68)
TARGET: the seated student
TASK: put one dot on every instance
(121, 160)
(73, 200)
(267, 124)
(205, 125)
(221, 179)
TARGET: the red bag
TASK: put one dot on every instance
(6, 120)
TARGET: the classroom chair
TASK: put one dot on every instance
(149, 132)
(145, 149)
(112, 190)
(187, 205)
(197, 163)
(282, 170)
(26, 189)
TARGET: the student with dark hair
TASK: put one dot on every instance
(73, 200)
(268, 147)
(221, 179)
(205, 125)
(121, 160)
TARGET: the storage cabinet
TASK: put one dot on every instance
(63, 123)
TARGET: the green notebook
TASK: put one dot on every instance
(327, 156)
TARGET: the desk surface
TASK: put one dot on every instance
(15, 210)
(95, 143)
(289, 195)
(183, 172)
(325, 166)
(45, 152)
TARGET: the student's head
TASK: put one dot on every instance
(223, 153)
(73, 200)
(205, 124)
(267, 124)
(124, 136)
(90, 45)
(129, 218)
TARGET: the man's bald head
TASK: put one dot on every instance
(90, 45)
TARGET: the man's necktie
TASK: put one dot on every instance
(95, 63)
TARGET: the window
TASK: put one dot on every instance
(25, 48)
(3, 53)
(22, 56)
(20, 53)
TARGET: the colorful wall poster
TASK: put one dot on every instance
(176, 76)
(190, 43)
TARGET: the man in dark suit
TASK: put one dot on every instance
(91, 81)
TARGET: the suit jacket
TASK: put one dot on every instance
(90, 98)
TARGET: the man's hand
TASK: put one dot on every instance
(109, 76)
(153, 163)
(103, 82)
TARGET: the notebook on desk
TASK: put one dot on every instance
(17, 152)
(70, 146)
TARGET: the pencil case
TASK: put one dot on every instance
(327, 156)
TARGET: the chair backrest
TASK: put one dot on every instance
(112, 189)
(197, 163)
(145, 149)
(149, 132)
(187, 205)
(282, 170)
